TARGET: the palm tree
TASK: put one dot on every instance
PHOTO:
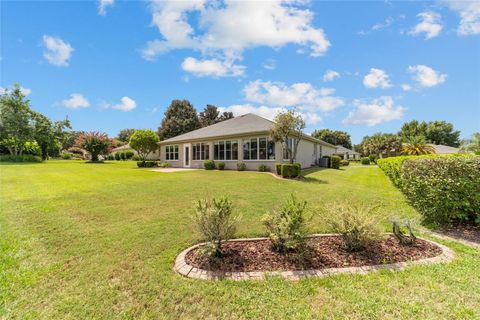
(416, 146)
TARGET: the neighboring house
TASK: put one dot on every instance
(152, 156)
(241, 139)
(347, 154)
(441, 149)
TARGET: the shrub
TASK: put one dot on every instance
(150, 164)
(344, 163)
(32, 148)
(66, 155)
(357, 224)
(129, 154)
(122, 156)
(141, 164)
(287, 226)
(209, 164)
(241, 166)
(135, 157)
(117, 156)
(22, 158)
(365, 160)
(335, 162)
(443, 189)
(373, 158)
(166, 165)
(221, 165)
(215, 220)
(291, 170)
(278, 168)
(263, 168)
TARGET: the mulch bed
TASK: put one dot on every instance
(325, 252)
(467, 232)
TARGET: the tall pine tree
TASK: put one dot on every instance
(180, 117)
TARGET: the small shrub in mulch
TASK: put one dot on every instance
(324, 252)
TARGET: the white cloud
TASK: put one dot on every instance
(103, 5)
(25, 91)
(377, 111)
(431, 25)
(228, 28)
(125, 105)
(406, 87)
(303, 95)
(469, 12)
(330, 75)
(57, 52)
(378, 26)
(377, 78)
(213, 67)
(426, 76)
(76, 101)
(270, 64)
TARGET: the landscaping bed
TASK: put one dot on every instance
(324, 252)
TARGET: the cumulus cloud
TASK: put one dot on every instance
(57, 51)
(303, 95)
(426, 76)
(378, 26)
(25, 91)
(377, 78)
(469, 12)
(330, 75)
(406, 87)
(228, 28)
(126, 104)
(212, 67)
(103, 5)
(374, 112)
(430, 25)
(76, 101)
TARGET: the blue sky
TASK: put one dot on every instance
(361, 67)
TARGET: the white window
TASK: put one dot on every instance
(225, 150)
(291, 145)
(200, 151)
(262, 148)
(171, 152)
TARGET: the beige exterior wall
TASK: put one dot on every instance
(152, 156)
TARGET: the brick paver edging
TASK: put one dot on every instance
(183, 268)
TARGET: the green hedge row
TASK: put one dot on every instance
(22, 158)
(442, 188)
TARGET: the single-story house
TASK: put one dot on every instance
(441, 149)
(347, 154)
(241, 139)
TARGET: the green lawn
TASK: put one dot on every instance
(82, 241)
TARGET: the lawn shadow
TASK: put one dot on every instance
(306, 178)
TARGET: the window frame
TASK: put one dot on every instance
(222, 153)
(172, 152)
(248, 141)
(200, 151)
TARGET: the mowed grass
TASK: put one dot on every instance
(98, 241)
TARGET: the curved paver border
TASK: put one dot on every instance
(183, 268)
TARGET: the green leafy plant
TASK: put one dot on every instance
(417, 145)
(357, 224)
(122, 156)
(263, 168)
(209, 164)
(18, 158)
(373, 158)
(135, 157)
(66, 155)
(144, 142)
(344, 163)
(287, 225)
(96, 143)
(241, 166)
(365, 160)
(221, 165)
(291, 170)
(117, 156)
(335, 162)
(129, 154)
(215, 220)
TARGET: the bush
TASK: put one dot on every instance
(287, 226)
(278, 168)
(117, 156)
(166, 165)
(66, 155)
(443, 189)
(135, 157)
(263, 168)
(22, 158)
(372, 158)
(129, 154)
(221, 165)
(122, 156)
(365, 160)
(32, 148)
(241, 166)
(335, 162)
(215, 221)
(291, 170)
(209, 164)
(357, 224)
(344, 163)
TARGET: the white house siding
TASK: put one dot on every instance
(152, 156)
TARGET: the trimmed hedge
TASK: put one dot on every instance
(365, 160)
(147, 164)
(209, 164)
(221, 165)
(344, 163)
(335, 162)
(290, 170)
(22, 158)
(443, 189)
(278, 168)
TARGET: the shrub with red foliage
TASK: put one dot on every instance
(95, 142)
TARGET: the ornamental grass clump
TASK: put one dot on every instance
(215, 220)
(357, 224)
(287, 225)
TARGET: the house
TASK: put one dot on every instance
(152, 156)
(241, 139)
(347, 154)
(441, 149)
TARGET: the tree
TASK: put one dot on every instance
(288, 124)
(96, 143)
(472, 145)
(381, 144)
(436, 132)
(416, 146)
(71, 138)
(49, 135)
(125, 134)
(180, 117)
(334, 137)
(210, 115)
(144, 142)
(16, 125)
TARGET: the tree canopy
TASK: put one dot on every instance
(381, 144)
(211, 115)
(417, 145)
(334, 137)
(180, 117)
(96, 143)
(472, 144)
(436, 132)
(288, 124)
(125, 134)
(144, 142)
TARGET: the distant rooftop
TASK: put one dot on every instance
(441, 149)
(341, 150)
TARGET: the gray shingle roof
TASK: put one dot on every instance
(441, 149)
(342, 150)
